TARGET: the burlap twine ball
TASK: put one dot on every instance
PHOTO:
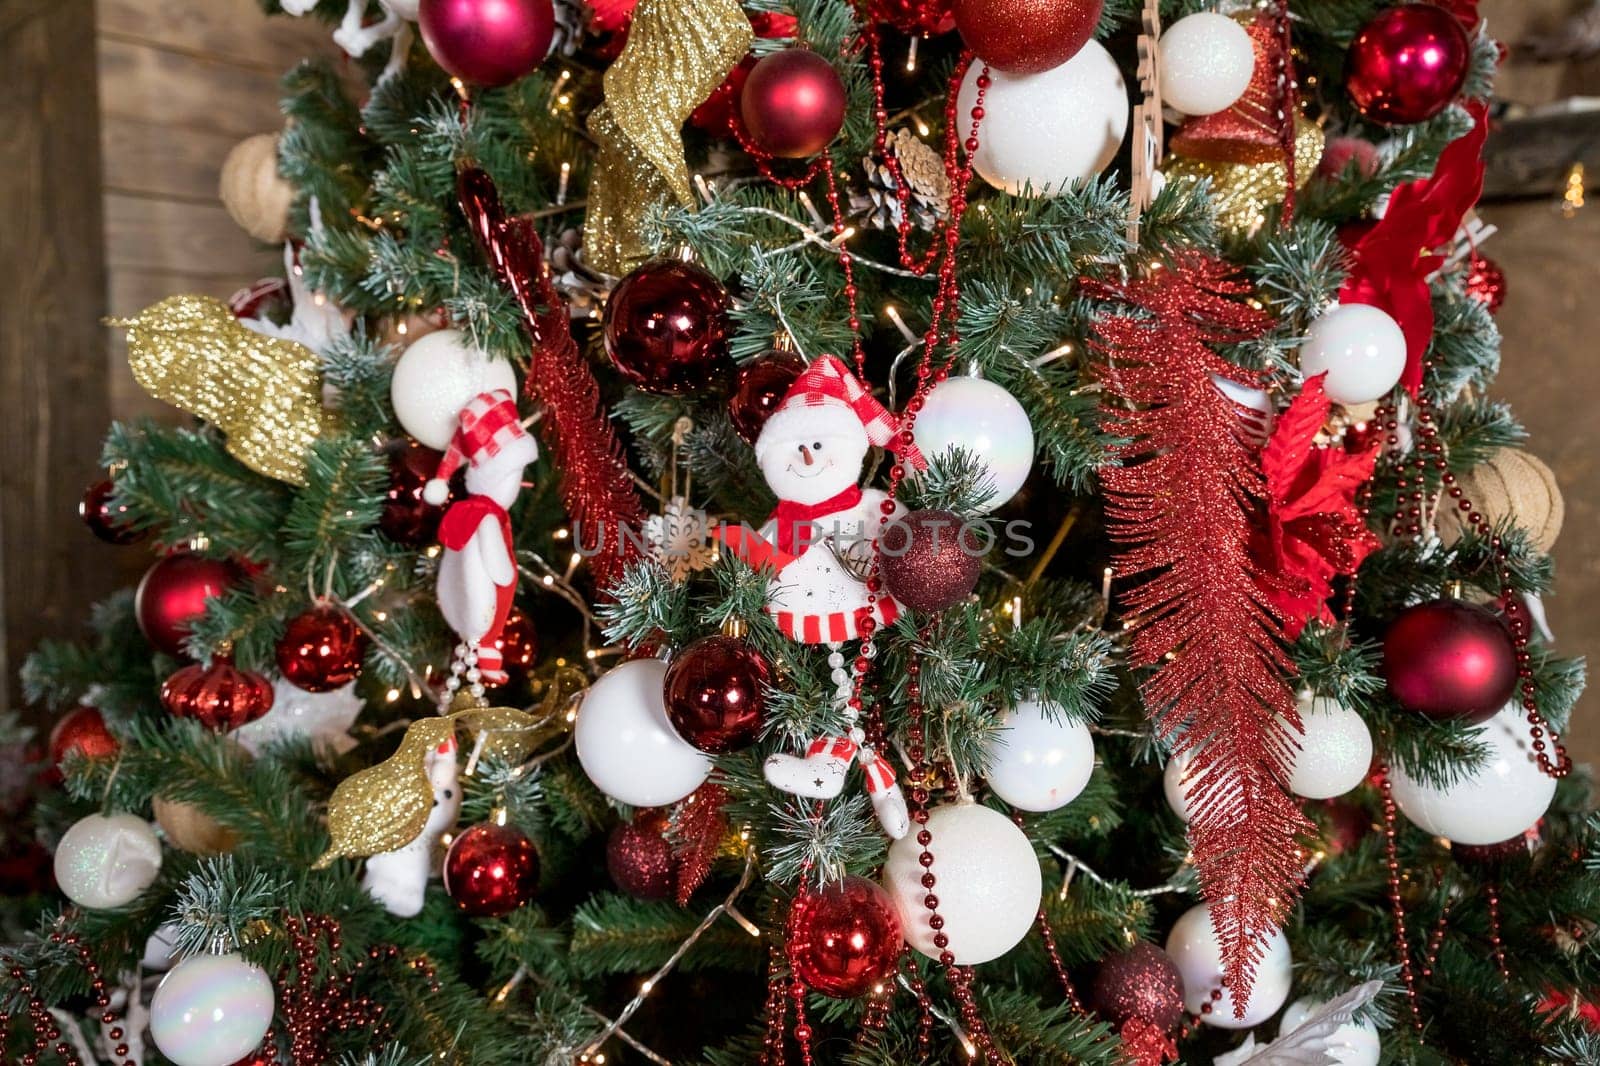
(1510, 484)
(256, 195)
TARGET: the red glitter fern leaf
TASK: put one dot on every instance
(1183, 505)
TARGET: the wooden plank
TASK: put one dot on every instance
(187, 91)
(1530, 157)
(191, 239)
(158, 159)
(235, 30)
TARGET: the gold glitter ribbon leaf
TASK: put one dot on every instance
(264, 393)
(678, 52)
(1242, 193)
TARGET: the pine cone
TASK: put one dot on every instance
(583, 286)
(923, 172)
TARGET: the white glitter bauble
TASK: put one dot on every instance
(104, 861)
(626, 744)
(1361, 348)
(985, 420)
(1352, 1044)
(1039, 759)
(436, 377)
(211, 1010)
(1335, 752)
(1193, 947)
(989, 883)
(1206, 63)
(1505, 797)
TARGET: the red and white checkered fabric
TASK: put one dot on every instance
(827, 381)
(489, 422)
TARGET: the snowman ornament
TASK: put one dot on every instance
(478, 570)
(820, 542)
(398, 879)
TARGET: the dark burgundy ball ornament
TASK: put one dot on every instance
(792, 103)
(1449, 659)
(931, 559)
(639, 857)
(759, 387)
(406, 517)
(106, 519)
(321, 650)
(1141, 982)
(666, 328)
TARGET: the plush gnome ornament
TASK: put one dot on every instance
(821, 543)
(397, 879)
(478, 573)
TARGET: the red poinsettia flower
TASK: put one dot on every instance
(1557, 1002)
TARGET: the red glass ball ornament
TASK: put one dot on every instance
(173, 593)
(845, 938)
(917, 18)
(106, 519)
(406, 517)
(930, 560)
(1486, 282)
(1407, 64)
(82, 730)
(792, 103)
(518, 644)
(716, 694)
(491, 870)
(220, 696)
(487, 42)
(666, 328)
(1344, 825)
(321, 650)
(639, 857)
(759, 387)
(718, 112)
(1026, 36)
(1141, 982)
(1450, 660)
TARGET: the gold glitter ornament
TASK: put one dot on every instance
(1242, 193)
(678, 52)
(264, 393)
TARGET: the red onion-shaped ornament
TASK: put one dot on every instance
(716, 694)
(1026, 36)
(220, 697)
(1450, 660)
(406, 517)
(82, 730)
(792, 103)
(759, 388)
(1407, 64)
(487, 42)
(639, 857)
(930, 560)
(491, 870)
(173, 594)
(1141, 982)
(105, 518)
(845, 938)
(322, 649)
(666, 328)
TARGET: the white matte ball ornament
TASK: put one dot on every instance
(1362, 349)
(1206, 63)
(1505, 797)
(1039, 759)
(211, 1010)
(983, 419)
(1335, 752)
(106, 861)
(626, 744)
(1193, 947)
(989, 883)
(1044, 131)
(1352, 1044)
(436, 377)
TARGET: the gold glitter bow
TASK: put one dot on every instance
(1243, 192)
(264, 393)
(678, 52)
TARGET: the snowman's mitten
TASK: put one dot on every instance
(819, 774)
(888, 802)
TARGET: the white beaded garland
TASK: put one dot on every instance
(1206, 63)
(105, 861)
(211, 1010)
(1039, 760)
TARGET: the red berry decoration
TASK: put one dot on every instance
(406, 517)
(487, 42)
(220, 696)
(173, 593)
(1407, 64)
(759, 387)
(792, 103)
(518, 644)
(930, 560)
(639, 857)
(1450, 660)
(321, 650)
(716, 694)
(82, 730)
(1026, 36)
(1486, 282)
(106, 519)
(845, 938)
(491, 870)
(1142, 983)
(666, 328)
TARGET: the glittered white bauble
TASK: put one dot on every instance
(1335, 752)
(1502, 799)
(1041, 132)
(1206, 63)
(104, 861)
(627, 745)
(1362, 349)
(989, 883)
(436, 377)
(1039, 759)
(1352, 1044)
(1174, 787)
(980, 418)
(211, 1010)
(1193, 946)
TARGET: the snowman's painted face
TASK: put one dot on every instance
(814, 468)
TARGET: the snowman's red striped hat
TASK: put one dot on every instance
(488, 423)
(828, 397)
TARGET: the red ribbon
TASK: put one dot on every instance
(792, 517)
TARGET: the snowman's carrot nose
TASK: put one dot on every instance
(805, 453)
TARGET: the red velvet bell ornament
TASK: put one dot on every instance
(487, 42)
(220, 697)
(715, 693)
(639, 857)
(173, 593)
(1408, 64)
(322, 649)
(792, 103)
(844, 938)
(759, 387)
(406, 517)
(666, 328)
(82, 730)
(1026, 36)
(491, 870)
(930, 560)
(1449, 659)
(106, 519)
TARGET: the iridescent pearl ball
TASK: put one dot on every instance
(211, 1010)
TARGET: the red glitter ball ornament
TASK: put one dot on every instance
(173, 593)
(639, 857)
(759, 387)
(1141, 982)
(406, 517)
(491, 870)
(716, 694)
(1026, 36)
(1486, 282)
(1407, 64)
(487, 42)
(82, 730)
(220, 696)
(322, 649)
(792, 103)
(518, 644)
(666, 328)
(931, 560)
(1450, 660)
(918, 18)
(105, 519)
(844, 938)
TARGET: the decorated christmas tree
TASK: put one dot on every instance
(898, 532)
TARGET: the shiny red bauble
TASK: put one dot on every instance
(518, 645)
(173, 594)
(1141, 982)
(220, 696)
(491, 870)
(1449, 659)
(639, 857)
(758, 388)
(82, 730)
(106, 519)
(321, 650)
(931, 560)
(406, 517)
(918, 18)
(844, 938)
(792, 103)
(1026, 36)
(666, 328)
(716, 694)
(487, 42)
(1485, 282)
(1407, 64)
